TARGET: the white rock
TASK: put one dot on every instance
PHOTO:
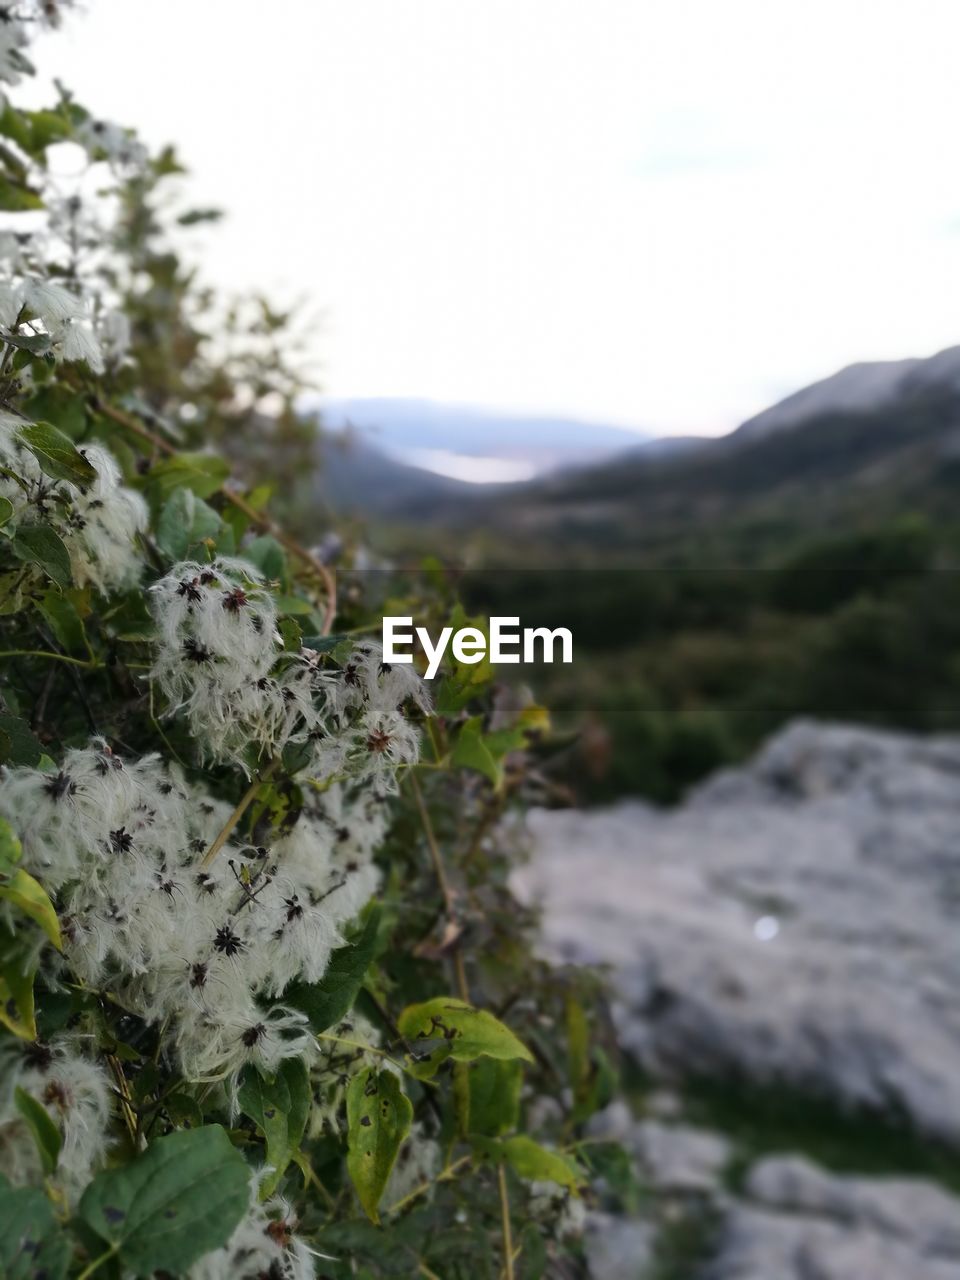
(907, 1208)
(850, 840)
(618, 1248)
(677, 1158)
(759, 1245)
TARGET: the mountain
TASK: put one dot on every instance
(408, 427)
(865, 446)
(353, 478)
(858, 388)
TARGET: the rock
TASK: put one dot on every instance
(794, 920)
(615, 1122)
(618, 1248)
(906, 1208)
(759, 1245)
(678, 1158)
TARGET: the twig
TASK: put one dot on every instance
(123, 1089)
(445, 1175)
(46, 653)
(244, 804)
(505, 1222)
(449, 897)
(97, 1263)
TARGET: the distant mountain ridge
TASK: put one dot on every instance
(868, 443)
(400, 425)
(858, 388)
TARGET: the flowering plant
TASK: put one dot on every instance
(267, 1006)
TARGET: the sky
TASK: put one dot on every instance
(665, 214)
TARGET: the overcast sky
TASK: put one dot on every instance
(664, 213)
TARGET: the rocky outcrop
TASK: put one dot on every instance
(795, 920)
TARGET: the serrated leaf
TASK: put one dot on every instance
(185, 521)
(454, 1029)
(268, 555)
(379, 1115)
(181, 1198)
(201, 473)
(57, 455)
(279, 1106)
(327, 1001)
(38, 544)
(32, 1243)
(23, 891)
(41, 1125)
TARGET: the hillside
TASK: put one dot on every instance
(737, 499)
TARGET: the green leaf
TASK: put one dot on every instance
(531, 1161)
(41, 1124)
(15, 197)
(465, 679)
(491, 1095)
(6, 511)
(454, 1029)
(268, 555)
(379, 1114)
(180, 1199)
(58, 456)
(36, 344)
(25, 892)
(578, 1059)
(38, 544)
(31, 1241)
(201, 473)
(471, 752)
(185, 521)
(327, 1001)
(24, 748)
(610, 1161)
(291, 634)
(11, 849)
(16, 1001)
(60, 610)
(279, 1106)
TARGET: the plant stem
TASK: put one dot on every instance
(97, 1263)
(449, 897)
(367, 1048)
(47, 653)
(244, 804)
(444, 1175)
(505, 1222)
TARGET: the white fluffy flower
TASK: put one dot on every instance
(103, 139)
(205, 952)
(264, 1244)
(75, 343)
(51, 302)
(98, 524)
(13, 40)
(75, 1092)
